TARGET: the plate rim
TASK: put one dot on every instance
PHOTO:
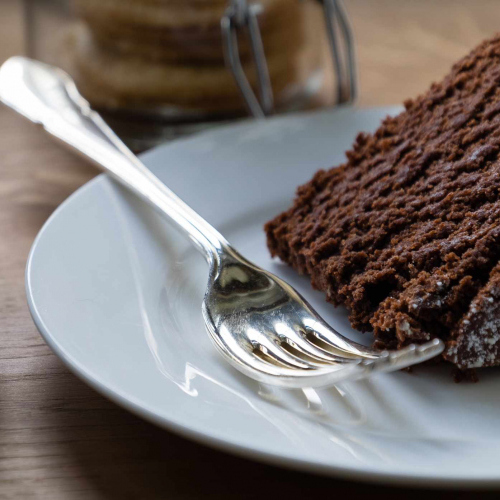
(205, 437)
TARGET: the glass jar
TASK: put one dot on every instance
(157, 69)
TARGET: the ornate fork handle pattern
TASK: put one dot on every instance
(260, 324)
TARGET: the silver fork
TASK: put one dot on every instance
(260, 324)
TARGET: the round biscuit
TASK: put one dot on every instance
(111, 80)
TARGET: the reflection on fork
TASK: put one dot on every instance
(258, 322)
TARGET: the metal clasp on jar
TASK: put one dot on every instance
(242, 16)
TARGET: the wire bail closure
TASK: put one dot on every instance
(241, 17)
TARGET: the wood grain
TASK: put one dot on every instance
(61, 440)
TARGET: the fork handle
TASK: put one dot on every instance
(48, 96)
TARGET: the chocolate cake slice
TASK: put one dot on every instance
(406, 233)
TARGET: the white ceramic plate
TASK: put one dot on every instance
(116, 292)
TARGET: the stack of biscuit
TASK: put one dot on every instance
(169, 53)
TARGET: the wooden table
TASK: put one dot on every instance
(61, 440)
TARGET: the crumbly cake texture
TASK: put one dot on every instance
(406, 233)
